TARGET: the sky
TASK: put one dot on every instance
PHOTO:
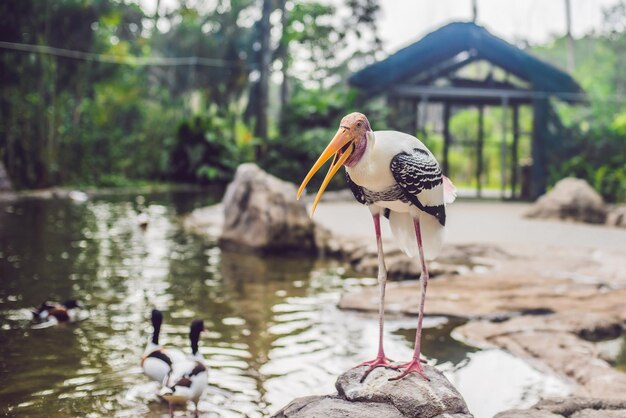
(536, 21)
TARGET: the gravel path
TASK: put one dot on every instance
(484, 222)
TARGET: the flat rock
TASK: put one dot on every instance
(572, 407)
(561, 351)
(454, 259)
(526, 413)
(537, 283)
(490, 295)
(593, 413)
(378, 397)
(261, 214)
(571, 199)
(548, 307)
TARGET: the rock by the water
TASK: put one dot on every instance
(617, 217)
(545, 305)
(573, 407)
(571, 199)
(527, 413)
(261, 214)
(413, 396)
(452, 260)
(207, 221)
(378, 397)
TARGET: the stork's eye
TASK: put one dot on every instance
(358, 124)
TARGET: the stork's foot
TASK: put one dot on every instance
(380, 361)
(414, 366)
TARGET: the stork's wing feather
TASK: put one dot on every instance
(415, 173)
(357, 190)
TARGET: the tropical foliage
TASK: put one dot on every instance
(91, 112)
(117, 102)
(595, 139)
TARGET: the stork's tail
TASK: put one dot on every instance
(404, 231)
(449, 191)
(432, 231)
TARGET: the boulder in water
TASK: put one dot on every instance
(261, 214)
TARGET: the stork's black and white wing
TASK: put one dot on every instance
(417, 173)
(356, 190)
(362, 195)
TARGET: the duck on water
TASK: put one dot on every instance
(183, 377)
(52, 313)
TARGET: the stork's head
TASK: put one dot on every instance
(347, 147)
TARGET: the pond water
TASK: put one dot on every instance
(274, 332)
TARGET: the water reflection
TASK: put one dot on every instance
(274, 330)
(437, 343)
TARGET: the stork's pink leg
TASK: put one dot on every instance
(381, 360)
(415, 366)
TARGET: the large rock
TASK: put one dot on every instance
(571, 199)
(378, 397)
(574, 407)
(261, 214)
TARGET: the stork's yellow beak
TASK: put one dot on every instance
(334, 148)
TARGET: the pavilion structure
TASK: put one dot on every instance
(434, 71)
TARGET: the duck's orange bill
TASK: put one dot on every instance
(332, 149)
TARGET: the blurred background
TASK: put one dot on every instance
(118, 93)
(149, 106)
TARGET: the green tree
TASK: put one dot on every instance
(594, 142)
(44, 95)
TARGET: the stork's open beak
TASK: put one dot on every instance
(340, 148)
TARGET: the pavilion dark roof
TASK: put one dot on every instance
(447, 42)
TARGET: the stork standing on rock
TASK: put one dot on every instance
(394, 174)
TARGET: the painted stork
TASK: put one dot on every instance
(393, 174)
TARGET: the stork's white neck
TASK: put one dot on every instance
(361, 167)
(372, 170)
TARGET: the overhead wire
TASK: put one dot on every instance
(191, 61)
(119, 59)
